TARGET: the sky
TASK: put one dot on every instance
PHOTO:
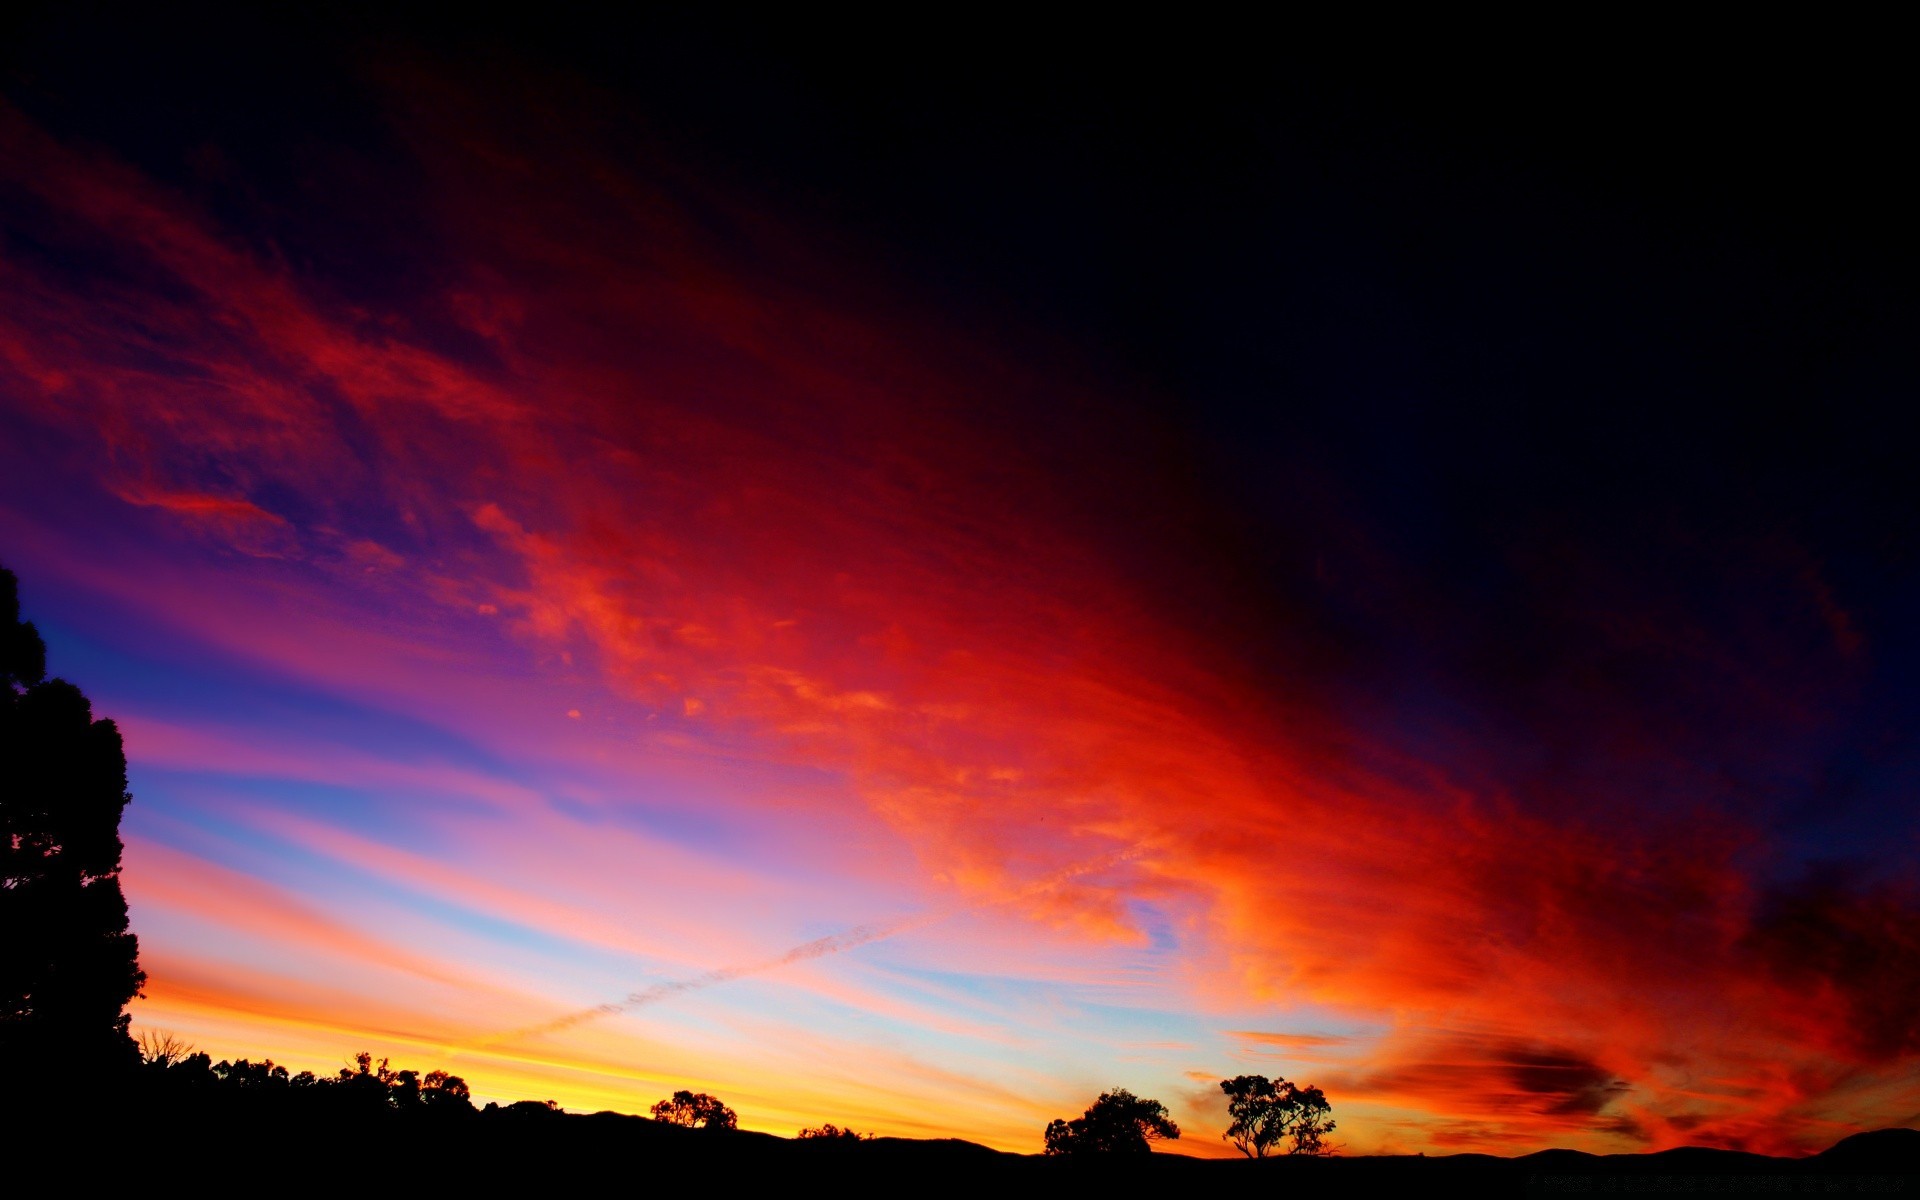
(909, 589)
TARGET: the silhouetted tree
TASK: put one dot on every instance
(251, 1075)
(1119, 1122)
(404, 1092)
(830, 1132)
(366, 1083)
(1313, 1124)
(1267, 1113)
(195, 1070)
(374, 1084)
(695, 1110)
(441, 1092)
(68, 965)
(160, 1050)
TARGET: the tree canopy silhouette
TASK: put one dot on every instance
(695, 1110)
(384, 1087)
(1268, 1113)
(366, 1086)
(68, 964)
(1119, 1122)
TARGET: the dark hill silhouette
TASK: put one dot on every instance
(1880, 1150)
(257, 1130)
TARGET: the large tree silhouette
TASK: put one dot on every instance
(696, 1110)
(1119, 1122)
(1266, 1113)
(68, 965)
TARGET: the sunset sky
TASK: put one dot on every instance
(1011, 567)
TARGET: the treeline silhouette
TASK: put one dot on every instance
(368, 1121)
(171, 1071)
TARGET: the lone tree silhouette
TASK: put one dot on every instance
(68, 965)
(1119, 1122)
(695, 1110)
(1267, 1113)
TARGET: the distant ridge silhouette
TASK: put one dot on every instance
(530, 1145)
(1874, 1151)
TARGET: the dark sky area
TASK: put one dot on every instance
(1560, 376)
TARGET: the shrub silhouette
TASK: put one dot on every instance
(1119, 1122)
(695, 1110)
(1267, 1113)
(68, 964)
(830, 1132)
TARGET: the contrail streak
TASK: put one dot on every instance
(859, 935)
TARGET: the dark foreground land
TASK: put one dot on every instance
(265, 1148)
